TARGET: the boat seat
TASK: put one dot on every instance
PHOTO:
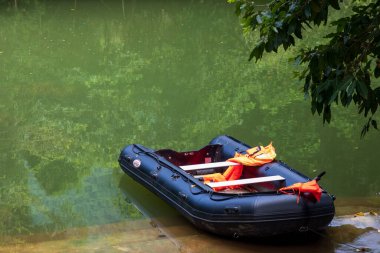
(204, 166)
(246, 181)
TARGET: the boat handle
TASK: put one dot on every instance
(182, 195)
(232, 210)
(175, 176)
(154, 174)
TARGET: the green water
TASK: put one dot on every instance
(81, 79)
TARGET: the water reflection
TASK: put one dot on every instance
(344, 229)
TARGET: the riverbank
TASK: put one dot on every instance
(163, 234)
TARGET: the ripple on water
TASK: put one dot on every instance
(360, 231)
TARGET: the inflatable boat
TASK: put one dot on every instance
(253, 205)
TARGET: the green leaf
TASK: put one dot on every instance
(335, 4)
(269, 46)
(368, 65)
(327, 114)
(377, 72)
(257, 52)
(330, 35)
(374, 124)
(307, 11)
(259, 19)
(314, 65)
(291, 40)
(308, 25)
(374, 106)
(346, 39)
(292, 28)
(313, 107)
(364, 130)
(277, 42)
(277, 6)
(350, 88)
(298, 31)
(319, 108)
(238, 9)
(278, 24)
(292, 7)
(333, 96)
(307, 84)
(298, 61)
(366, 110)
(376, 92)
(345, 99)
(362, 89)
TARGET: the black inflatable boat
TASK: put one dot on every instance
(257, 209)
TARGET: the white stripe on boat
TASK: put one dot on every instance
(246, 181)
(208, 165)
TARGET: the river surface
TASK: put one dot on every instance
(81, 79)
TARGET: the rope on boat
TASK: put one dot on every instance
(221, 199)
(191, 186)
(357, 249)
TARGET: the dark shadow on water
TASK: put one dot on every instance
(149, 204)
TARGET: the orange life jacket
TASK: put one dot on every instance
(311, 187)
(256, 156)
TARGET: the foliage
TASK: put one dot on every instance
(342, 69)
